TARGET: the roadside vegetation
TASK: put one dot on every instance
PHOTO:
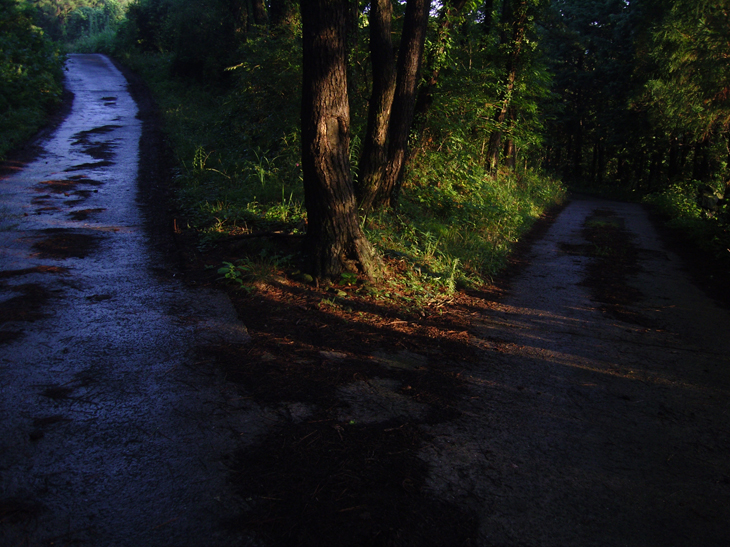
(30, 75)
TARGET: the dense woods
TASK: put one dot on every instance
(451, 122)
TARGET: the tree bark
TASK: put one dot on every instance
(510, 149)
(374, 153)
(447, 17)
(335, 241)
(514, 26)
(410, 57)
(259, 14)
(488, 9)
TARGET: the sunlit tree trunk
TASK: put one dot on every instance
(335, 241)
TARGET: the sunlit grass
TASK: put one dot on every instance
(455, 224)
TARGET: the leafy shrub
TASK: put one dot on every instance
(30, 74)
(709, 230)
(202, 35)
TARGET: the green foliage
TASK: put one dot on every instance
(690, 50)
(202, 36)
(458, 220)
(680, 204)
(30, 74)
(239, 154)
(248, 271)
(677, 201)
(70, 20)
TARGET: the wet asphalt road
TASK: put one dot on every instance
(107, 436)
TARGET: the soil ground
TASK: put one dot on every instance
(416, 427)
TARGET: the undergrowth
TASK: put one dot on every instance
(706, 227)
(238, 151)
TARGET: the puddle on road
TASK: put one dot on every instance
(62, 244)
(89, 166)
(27, 306)
(84, 214)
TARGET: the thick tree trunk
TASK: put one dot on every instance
(335, 241)
(374, 153)
(410, 56)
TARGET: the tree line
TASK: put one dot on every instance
(626, 94)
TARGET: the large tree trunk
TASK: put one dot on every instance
(410, 56)
(335, 241)
(374, 153)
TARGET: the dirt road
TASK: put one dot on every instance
(586, 427)
(587, 406)
(107, 436)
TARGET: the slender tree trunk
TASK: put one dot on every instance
(258, 8)
(594, 162)
(374, 153)
(447, 17)
(655, 170)
(410, 56)
(673, 168)
(334, 238)
(601, 161)
(282, 12)
(488, 10)
(514, 21)
(701, 166)
(578, 150)
(510, 151)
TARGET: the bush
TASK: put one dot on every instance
(30, 75)
(709, 230)
(202, 35)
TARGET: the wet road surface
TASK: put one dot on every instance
(107, 435)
